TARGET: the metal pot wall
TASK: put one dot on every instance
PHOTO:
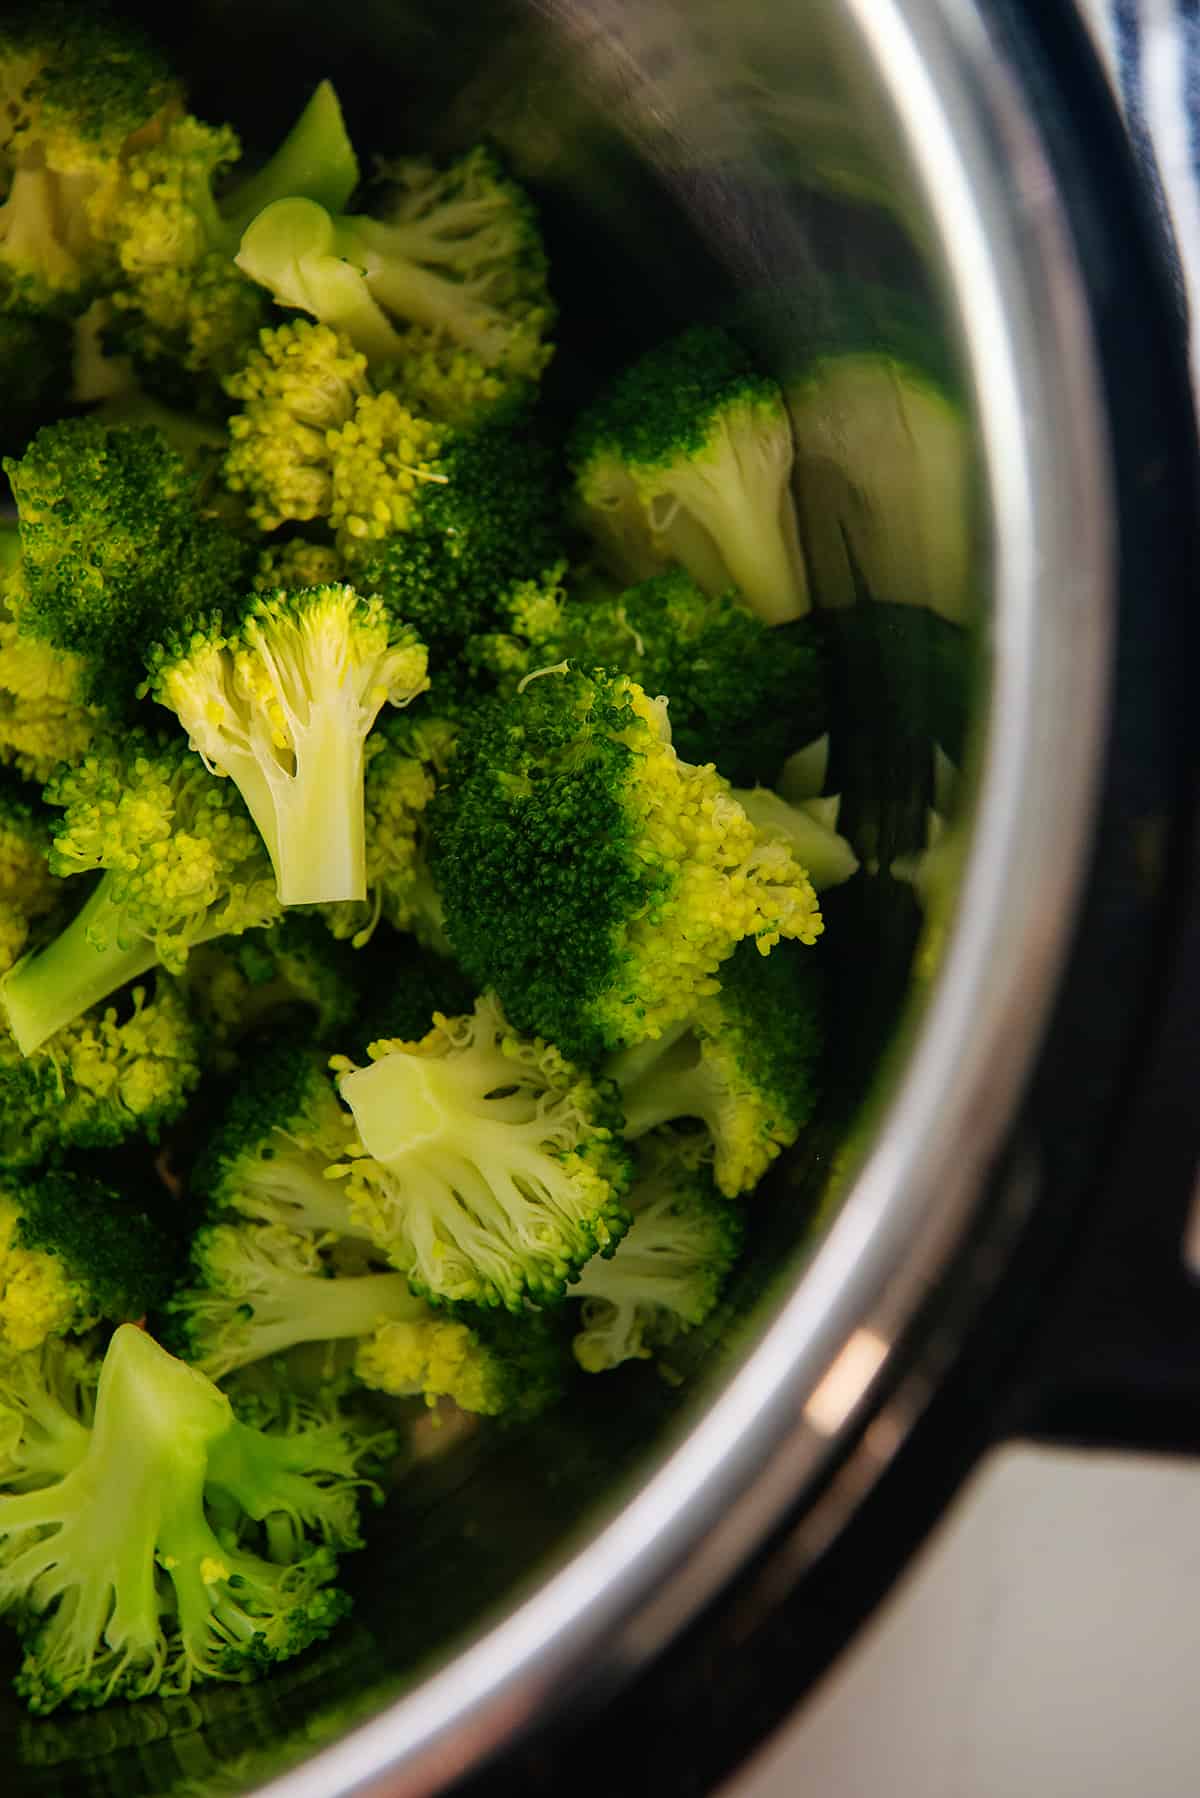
(693, 1553)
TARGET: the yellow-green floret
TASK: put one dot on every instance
(744, 1064)
(183, 1545)
(180, 862)
(688, 458)
(282, 702)
(589, 876)
(666, 1275)
(487, 1167)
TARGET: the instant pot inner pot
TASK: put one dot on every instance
(698, 162)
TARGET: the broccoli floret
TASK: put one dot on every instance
(181, 861)
(113, 544)
(238, 984)
(744, 1063)
(45, 718)
(490, 522)
(76, 92)
(809, 830)
(298, 563)
(453, 263)
(182, 308)
(131, 1574)
(742, 694)
(116, 1071)
(282, 703)
(688, 458)
(591, 878)
(264, 1289)
(487, 1168)
(266, 1159)
(666, 1275)
(28, 890)
(47, 1405)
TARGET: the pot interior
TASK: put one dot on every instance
(692, 162)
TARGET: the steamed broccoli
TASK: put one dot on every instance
(139, 1570)
(298, 563)
(28, 890)
(453, 264)
(688, 458)
(744, 1063)
(77, 92)
(45, 717)
(116, 1071)
(591, 878)
(809, 830)
(181, 862)
(73, 1251)
(666, 1275)
(266, 1159)
(182, 308)
(47, 1406)
(741, 694)
(113, 546)
(404, 984)
(282, 702)
(487, 1168)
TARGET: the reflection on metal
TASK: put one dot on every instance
(845, 1385)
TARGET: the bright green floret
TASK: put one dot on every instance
(131, 1574)
(667, 1274)
(181, 863)
(74, 1250)
(77, 91)
(114, 545)
(266, 1160)
(590, 877)
(45, 717)
(487, 1168)
(452, 264)
(47, 1405)
(115, 1072)
(282, 702)
(742, 695)
(688, 458)
(744, 1064)
(183, 308)
(28, 890)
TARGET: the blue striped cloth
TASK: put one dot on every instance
(1151, 49)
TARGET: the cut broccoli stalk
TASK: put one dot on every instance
(316, 158)
(51, 986)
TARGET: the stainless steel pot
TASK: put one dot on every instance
(759, 163)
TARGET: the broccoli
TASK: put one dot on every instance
(35, 367)
(453, 264)
(263, 1289)
(112, 1073)
(298, 563)
(132, 1573)
(744, 1063)
(236, 984)
(282, 702)
(74, 1250)
(47, 1406)
(809, 830)
(266, 1159)
(28, 890)
(742, 694)
(406, 755)
(112, 545)
(44, 715)
(77, 92)
(688, 458)
(487, 1167)
(181, 306)
(591, 878)
(667, 1274)
(181, 863)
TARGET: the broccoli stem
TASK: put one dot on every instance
(51, 987)
(316, 160)
(662, 1080)
(417, 295)
(317, 837)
